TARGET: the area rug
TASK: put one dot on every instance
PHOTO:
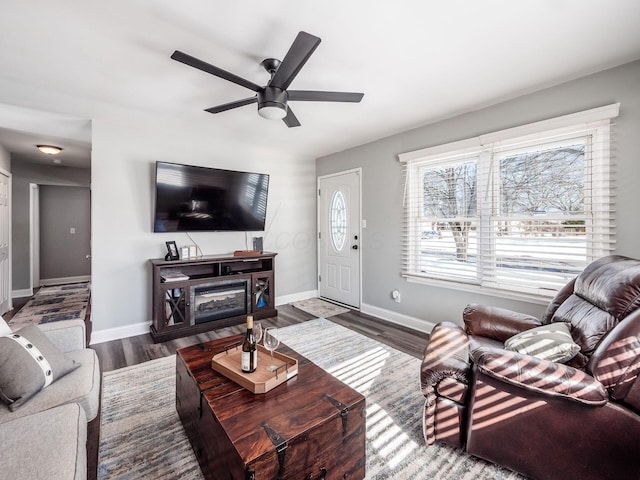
(141, 434)
(319, 308)
(52, 304)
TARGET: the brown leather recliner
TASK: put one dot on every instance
(546, 420)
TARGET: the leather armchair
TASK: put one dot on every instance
(546, 420)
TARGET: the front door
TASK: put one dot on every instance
(339, 237)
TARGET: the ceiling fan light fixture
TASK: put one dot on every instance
(272, 103)
(49, 149)
(273, 112)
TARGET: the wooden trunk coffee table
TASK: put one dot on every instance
(308, 428)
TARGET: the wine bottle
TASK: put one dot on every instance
(249, 349)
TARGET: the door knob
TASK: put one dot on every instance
(355, 247)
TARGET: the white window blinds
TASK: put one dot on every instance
(522, 210)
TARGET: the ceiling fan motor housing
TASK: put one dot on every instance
(272, 97)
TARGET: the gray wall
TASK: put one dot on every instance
(23, 174)
(62, 253)
(382, 186)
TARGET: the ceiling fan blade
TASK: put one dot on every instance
(230, 105)
(290, 120)
(301, 49)
(315, 96)
(218, 72)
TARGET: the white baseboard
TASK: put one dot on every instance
(108, 334)
(25, 292)
(296, 297)
(46, 282)
(399, 318)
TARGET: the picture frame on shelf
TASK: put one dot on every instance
(172, 251)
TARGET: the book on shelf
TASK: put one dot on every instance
(173, 276)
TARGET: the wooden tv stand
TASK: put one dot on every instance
(220, 291)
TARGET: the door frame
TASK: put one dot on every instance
(358, 171)
(9, 176)
(34, 233)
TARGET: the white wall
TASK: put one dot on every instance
(123, 166)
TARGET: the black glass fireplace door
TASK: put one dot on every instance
(219, 300)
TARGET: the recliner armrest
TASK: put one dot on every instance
(446, 355)
(496, 323)
(540, 376)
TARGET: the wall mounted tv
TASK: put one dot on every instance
(190, 198)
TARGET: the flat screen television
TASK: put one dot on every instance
(190, 198)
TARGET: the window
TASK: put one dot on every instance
(521, 211)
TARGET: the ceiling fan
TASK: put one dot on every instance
(273, 98)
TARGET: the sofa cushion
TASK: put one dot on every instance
(81, 386)
(551, 342)
(29, 362)
(49, 444)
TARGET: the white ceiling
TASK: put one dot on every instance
(417, 61)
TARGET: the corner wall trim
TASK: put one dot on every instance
(25, 292)
(295, 297)
(399, 318)
(44, 282)
(116, 333)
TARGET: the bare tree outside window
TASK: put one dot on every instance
(450, 195)
(541, 198)
(550, 181)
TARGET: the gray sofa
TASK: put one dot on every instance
(46, 437)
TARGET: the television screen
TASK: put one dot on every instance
(190, 198)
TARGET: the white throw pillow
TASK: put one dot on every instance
(550, 342)
(4, 328)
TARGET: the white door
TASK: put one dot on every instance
(339, 237)
(5, 238)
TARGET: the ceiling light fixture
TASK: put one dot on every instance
(272, 103)
(49, 149)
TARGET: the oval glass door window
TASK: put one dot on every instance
(338, 221)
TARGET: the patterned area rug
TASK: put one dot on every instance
(319, 308)
(142, 437)
(52, 304)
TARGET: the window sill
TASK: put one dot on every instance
(472, 288)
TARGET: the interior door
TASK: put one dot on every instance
(339, 237)
(5, 236)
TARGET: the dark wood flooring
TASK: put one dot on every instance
(133, 350)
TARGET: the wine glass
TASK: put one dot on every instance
(271, 342)
(257, 331)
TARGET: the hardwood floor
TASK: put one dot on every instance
(133, 350)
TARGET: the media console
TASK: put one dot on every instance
(197, 295)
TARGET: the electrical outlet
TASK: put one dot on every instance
(72, 230)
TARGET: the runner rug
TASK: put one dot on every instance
(52, 304)
(142, 437)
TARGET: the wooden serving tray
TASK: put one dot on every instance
(262, 380)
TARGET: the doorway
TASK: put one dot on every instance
(339, 234)
(62, 236)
